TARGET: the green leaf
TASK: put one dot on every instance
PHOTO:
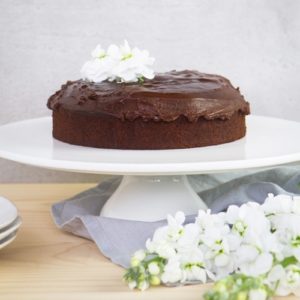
(141, 80)
(291, 260)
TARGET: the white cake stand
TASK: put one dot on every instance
(146, 193)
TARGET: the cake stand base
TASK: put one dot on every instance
(152, 198)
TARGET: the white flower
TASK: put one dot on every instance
(207, 220)
(133, 64)
(153, 268)
(296, 205)
(246, 253)
(118, 63)
(100, 67)
(165, 238)
(277, 204)
(175, 226)
(137, 257)
(172, 271)
(215, 245)
(113, 52)
(254, 240)
(289, 281)
(132, 285)
(222, 260)
(194, 273)
(275, 274)
(98, 70)
(288, 233)
(189, 237)
(162, 248)
(258, 294)
(192, 256)
(172, 231)
(254, 256)
(192, 262)
(249, 215)
(260, 265)
(98, 52)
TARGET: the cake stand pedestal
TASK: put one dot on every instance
(151, 198)
(154, 182)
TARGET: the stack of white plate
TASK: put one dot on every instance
(9, 222)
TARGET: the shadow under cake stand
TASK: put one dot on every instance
(154, 182)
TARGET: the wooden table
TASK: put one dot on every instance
(46, 263)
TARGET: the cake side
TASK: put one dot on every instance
(112, 133)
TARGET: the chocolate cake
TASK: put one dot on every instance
(177, 109)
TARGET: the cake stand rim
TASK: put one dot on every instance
(180, 168)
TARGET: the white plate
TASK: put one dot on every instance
(7, 240)
(269, 142)
(4, 232)
(8, 212)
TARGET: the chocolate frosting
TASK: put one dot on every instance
(165, 98)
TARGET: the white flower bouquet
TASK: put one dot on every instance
(253, 249)
(120, 64)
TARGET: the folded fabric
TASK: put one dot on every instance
(117, 239)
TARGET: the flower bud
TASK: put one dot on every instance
(137, 257)
(134, 262)
(154, 280)
(242, 296)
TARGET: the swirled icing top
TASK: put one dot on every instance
(165, 98)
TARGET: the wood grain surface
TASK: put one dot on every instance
(46, 263)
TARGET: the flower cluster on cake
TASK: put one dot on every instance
(120, 103)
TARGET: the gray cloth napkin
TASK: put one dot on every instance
(117, 239)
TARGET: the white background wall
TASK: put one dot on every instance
(43, 43)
